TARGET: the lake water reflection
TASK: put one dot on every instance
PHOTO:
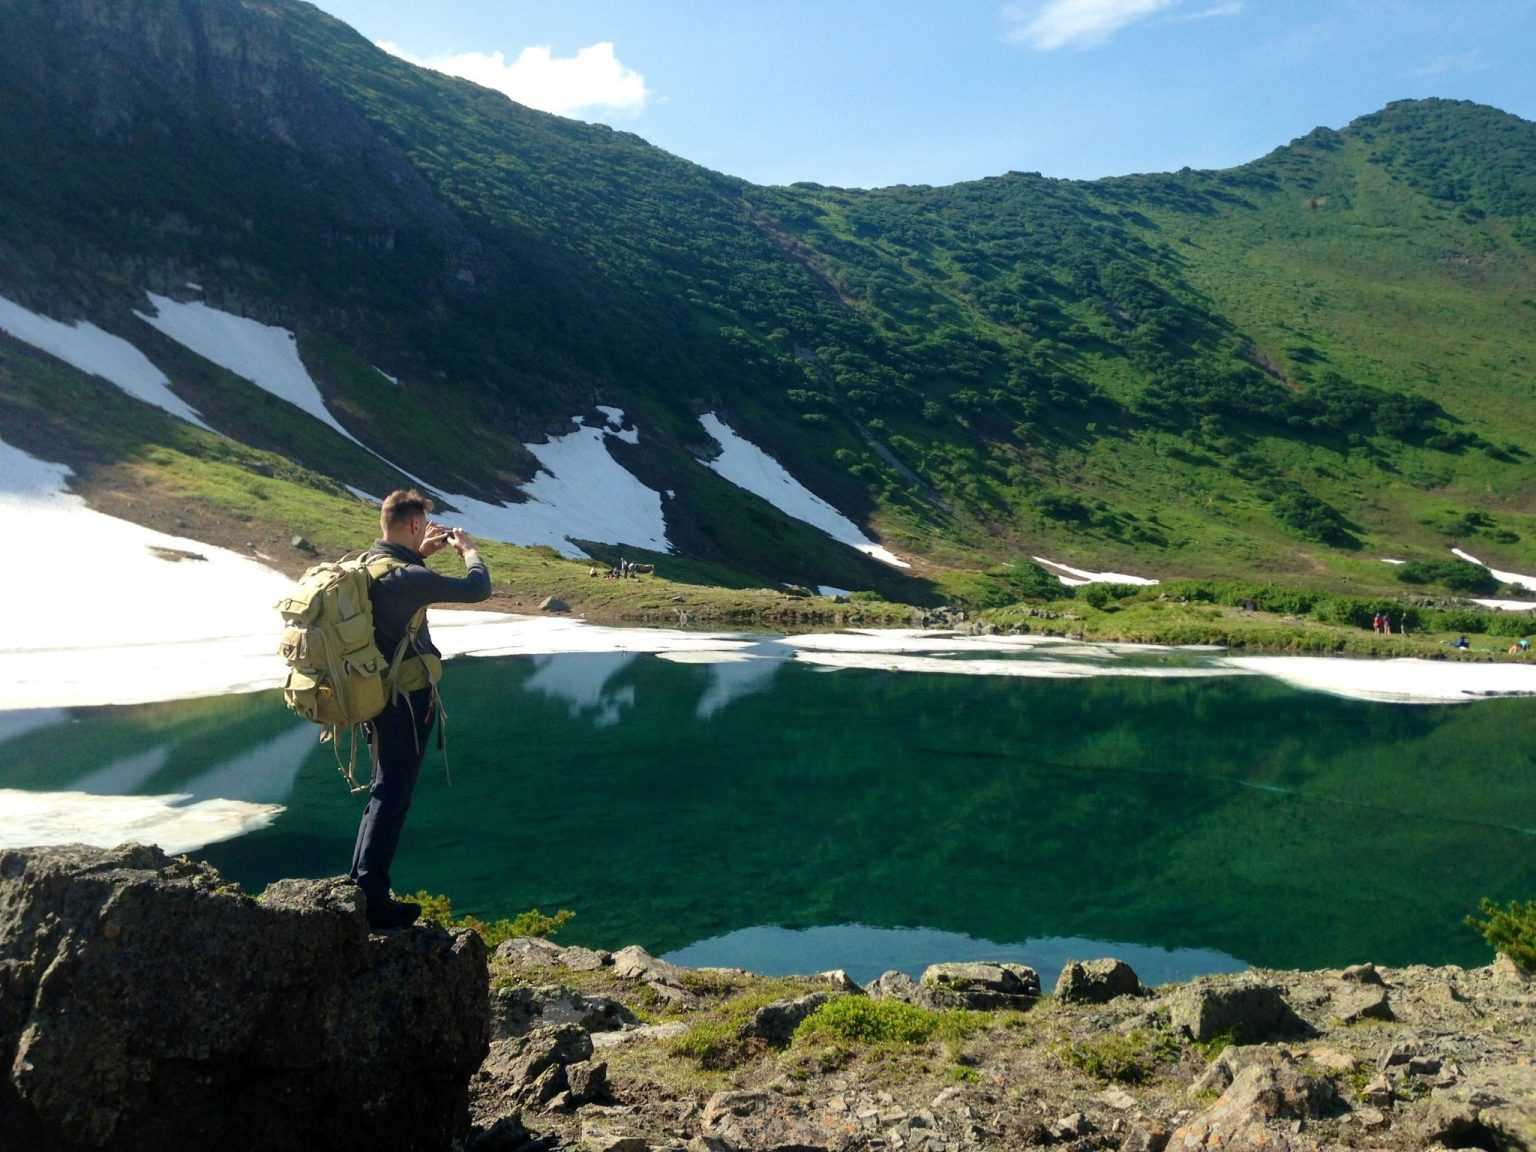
(775, 815)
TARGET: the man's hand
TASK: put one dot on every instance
(461, 540)
(438, 538)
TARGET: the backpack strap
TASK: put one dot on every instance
(378, 567)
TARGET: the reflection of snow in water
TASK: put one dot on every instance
(582, 682)
(42, 818)
(15, 725)
(124, 776)
(865, 952)
(730, 680)
(264, 775)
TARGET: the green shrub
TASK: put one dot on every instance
(1511, 930)
(712, 1044)
(439, 910)
(1128, 1059)
(860, 1020)
(1457, 575)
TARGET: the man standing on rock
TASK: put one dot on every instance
(401, 588)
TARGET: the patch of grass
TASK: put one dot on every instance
(1128, 1059)
(439, 910)
(1216, 1045)
(860, 1021)
(962, 1074)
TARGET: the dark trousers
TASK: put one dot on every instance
(399, 737)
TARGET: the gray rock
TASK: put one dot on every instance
(771, 1122)
(149, 1005)
(506, 1135)
(1231, 1062)
(1071, 1127)
(302, 544)
(530, 1070)
(553, 604)
(1361, 974)
(982, 986)
(777, 1022)
(839, 981)
(587, 1081)
(529, 952)
(1146, 1135)
(1096, 981)
(668, 1031)
(1351, 1004)
(1243, 1120)
(1246, 1009)
(635, 963)
(1493, 1107)
(516, 1011)
(894, 985)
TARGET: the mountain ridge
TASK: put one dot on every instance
(975, 371)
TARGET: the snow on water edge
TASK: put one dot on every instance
(747, 466)
(97, 353)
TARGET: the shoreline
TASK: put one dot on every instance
(115, 674)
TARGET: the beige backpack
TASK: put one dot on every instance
(337, 677)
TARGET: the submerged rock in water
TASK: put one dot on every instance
(147, 1004)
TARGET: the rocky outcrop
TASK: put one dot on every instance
(147, 1004)
(980, 986)
(1096, 981)
(1244, 1118)
(1243, 1010)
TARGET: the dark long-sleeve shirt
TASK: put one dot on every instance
(401, 593)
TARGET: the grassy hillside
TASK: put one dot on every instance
(1289, 369)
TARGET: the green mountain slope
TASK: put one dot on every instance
(1289, 368)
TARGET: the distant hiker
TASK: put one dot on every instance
(1386, 624)
(1376, 622)
(1461, 642)
(402, 588)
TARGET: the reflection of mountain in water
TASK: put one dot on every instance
(673, 802)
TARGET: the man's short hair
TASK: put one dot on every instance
(401, 504)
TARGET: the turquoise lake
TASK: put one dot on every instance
(777, 816)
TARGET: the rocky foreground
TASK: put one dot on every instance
(146, 1004)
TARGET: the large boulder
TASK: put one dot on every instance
(1096, 981)
(1493, 1107)
(773, 1122)
(982, 986)
(147, 1004)
(1244, 1009)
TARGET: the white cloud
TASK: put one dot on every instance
(593, 78)
(1050, 24)
(1227, 8)
(1074, 23)
(1469, 61)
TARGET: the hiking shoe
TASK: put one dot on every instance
(395, 914)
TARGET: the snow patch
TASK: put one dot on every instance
(1386, 560)
(1079, 577)
(97, 353)
(747, 466)
(395, 380)
(1515, 578)
(579, 493)
(1507, 605)
(196, 287)
(266, 356)
(1405, 681)
(48, 818)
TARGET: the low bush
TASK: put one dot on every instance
(439, 910)
(1511, 930)
(1128, 1059)
(860, 1020)
(1457, 575)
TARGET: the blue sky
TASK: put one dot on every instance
(858, 93)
